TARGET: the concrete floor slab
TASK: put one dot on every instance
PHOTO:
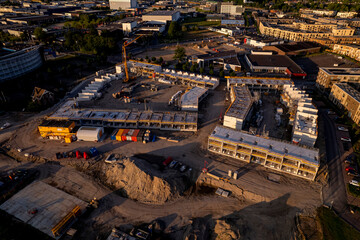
(51, 203)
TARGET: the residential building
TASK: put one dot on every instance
(122, 4)
(346, 97)
(162, 16)
(240, 109)
(346, 14)
(329, 76)
(352, 51)
(190, 100)
(275, 154)
(17, 63)
(261, 84)
(294, 48)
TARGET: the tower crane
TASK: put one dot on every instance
(126, 43)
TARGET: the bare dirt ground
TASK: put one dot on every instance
(267, 213)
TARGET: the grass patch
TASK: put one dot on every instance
(353, 190)
(334, 228)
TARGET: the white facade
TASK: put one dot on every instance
(129, 26)
(162, 16)
(233, 10)
(122, 4)
(346, 14)
(89, 133)
(261, 43)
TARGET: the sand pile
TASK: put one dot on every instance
(133, 178)
(223, 231)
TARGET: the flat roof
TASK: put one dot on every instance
(274, 61)
(305, 154)
(67, 112)
(191, 97)
(342, 71)
(54, 123)
(162, 13)
(297, 46)
(51, 203)
(191, 77)
(349, 90)
(258, 81)
(239, 108)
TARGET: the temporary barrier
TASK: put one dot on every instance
(86, 155)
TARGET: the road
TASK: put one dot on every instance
(334, 193)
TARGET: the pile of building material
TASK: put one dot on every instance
(92, 90)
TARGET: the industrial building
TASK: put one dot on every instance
(352, 51)
(275, 154)
(240, 109)
(190, 100)
(274, 63)
(122, 4)
(231, 9)
(175, 121)
(294, 48)
(261, 84)
(18, 63)
(161, 16)
(261, 42)
(347, 98)
(62, 129)
(329, 76)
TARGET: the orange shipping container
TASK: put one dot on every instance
(119, 134)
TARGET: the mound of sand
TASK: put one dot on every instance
(223, 231)
(133, 178)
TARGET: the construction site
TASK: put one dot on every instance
(139, 152)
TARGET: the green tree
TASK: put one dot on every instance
(183, 28)
(211, 71)
(174, 30)
(202, 70)
(193, 68)
(161, 59)
(179, 53)
(40, 34)
(233, 74)
(153, 59)
(185, 66)
(221, 73)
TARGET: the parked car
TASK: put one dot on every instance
(353, 173)
(355, 183)
(349, 168)
(6, 125)
(173, 164)
(345, 139)
(343, 129)
(167, 161)
(183, 168)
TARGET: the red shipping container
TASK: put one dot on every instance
(123, 136)
(129, 134)
(78, 154)
(134, 136)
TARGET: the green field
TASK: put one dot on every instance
(334, 228)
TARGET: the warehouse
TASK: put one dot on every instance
(271, 153)
(87, 133)
(274, 63)
(295, 48)
(190, 100)
(161, 16)
(240, 108)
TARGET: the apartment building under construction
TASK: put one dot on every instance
(275, 154)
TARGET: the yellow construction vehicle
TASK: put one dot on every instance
(126, 43)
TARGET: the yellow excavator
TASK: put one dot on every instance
(124, 56)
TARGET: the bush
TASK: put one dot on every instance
(153, 59)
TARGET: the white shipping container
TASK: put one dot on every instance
(89, 133)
